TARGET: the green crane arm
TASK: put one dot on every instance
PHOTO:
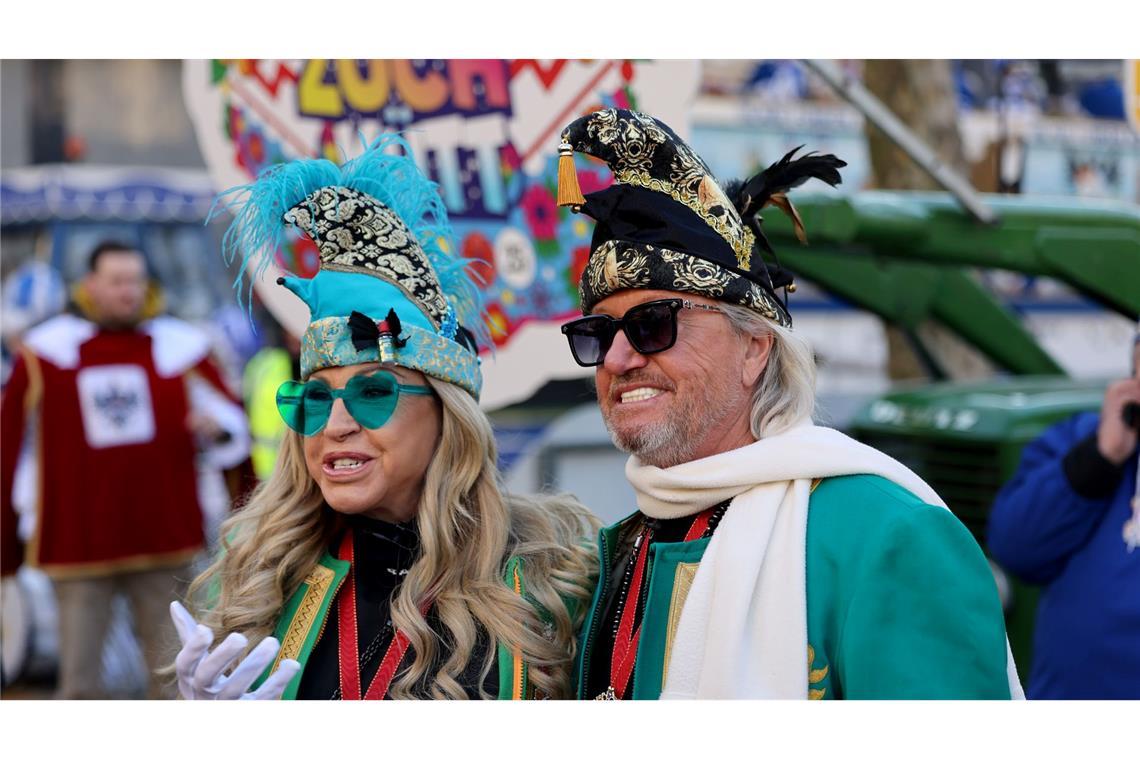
(906, 293)
(1091, 245)
(900, 255)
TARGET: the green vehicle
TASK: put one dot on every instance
(965, 440)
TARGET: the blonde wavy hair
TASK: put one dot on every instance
(784, 393)
(469, 529)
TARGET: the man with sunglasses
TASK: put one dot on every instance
(723, 583)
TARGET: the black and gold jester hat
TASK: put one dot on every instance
(666, 223)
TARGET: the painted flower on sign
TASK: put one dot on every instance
(498, 323)
(509, 159)
(541, 211)
(478, 251)
(540, 301)
(578, 260)
(254, 151)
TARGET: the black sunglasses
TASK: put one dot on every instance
(651, 327)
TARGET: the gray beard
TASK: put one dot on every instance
(660, 445)
(675, 439)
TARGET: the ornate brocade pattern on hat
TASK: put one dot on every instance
(356, 233)
(645, 155)
(328, 343)
(618, 265)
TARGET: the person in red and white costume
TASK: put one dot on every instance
(114, 404)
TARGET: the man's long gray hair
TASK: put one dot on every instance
(785, 392)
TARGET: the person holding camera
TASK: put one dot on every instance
(1069, 520)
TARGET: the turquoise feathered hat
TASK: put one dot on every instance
(389, 288)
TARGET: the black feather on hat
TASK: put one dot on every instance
(667, 224)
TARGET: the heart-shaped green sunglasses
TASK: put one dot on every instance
(370, 399)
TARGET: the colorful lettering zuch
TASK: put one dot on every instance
(340, 89)
(399, 93)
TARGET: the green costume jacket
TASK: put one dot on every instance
(901, 601)
(304, 617)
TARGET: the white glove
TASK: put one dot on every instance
(200, 672)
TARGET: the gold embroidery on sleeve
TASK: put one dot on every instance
(815, 676)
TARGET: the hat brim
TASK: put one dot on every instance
(617, 265)
(328, 343)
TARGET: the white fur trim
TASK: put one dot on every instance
(177, 345)
(58, 339)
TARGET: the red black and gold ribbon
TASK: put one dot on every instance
(625, 642)
(348, 654)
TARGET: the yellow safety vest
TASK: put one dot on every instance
(264, 373)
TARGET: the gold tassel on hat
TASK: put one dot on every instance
(569, 191)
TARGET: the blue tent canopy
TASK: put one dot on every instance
(54, 192)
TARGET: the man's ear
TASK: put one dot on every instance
(756, 354)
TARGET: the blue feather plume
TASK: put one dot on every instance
(387, 171)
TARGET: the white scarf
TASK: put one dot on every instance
(726, 644)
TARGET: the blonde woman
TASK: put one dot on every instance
(382, 559)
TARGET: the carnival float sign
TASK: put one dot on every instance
(485, 130)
